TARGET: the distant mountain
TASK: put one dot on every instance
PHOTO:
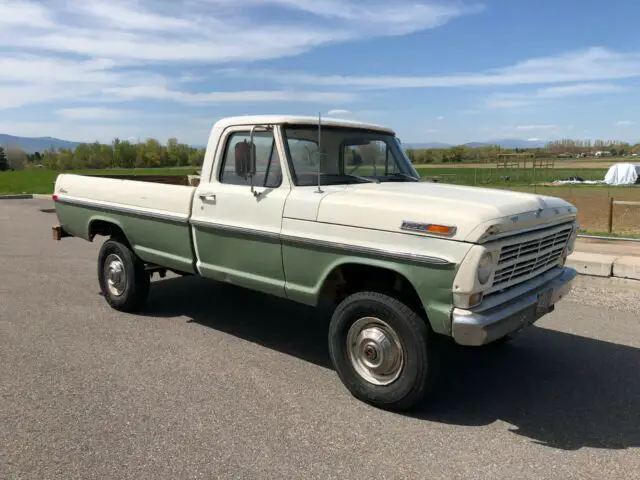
(35, 144)
(519, 143)
(427, 145)
(504, 143)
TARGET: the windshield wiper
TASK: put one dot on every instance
(349, 175)
(404, 175)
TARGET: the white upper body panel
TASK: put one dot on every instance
(155, 198)
(471, 210)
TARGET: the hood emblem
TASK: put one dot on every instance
(431, 228)
(414, 226)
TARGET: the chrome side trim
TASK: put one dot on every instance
(411, 257)
(212, 226)
(294, 240)
(314, 243)
(165, 216)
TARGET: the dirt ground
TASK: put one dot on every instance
(569, 163)
(593, 206)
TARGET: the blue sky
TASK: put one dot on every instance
(450, 71)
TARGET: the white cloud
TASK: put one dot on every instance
(440, 118)
(24, 14)
(518, 100)
(533, 139)
(163, 93)
(586, 66)
(102, 51)
(208, 30)
(535, 127)
(338, 112)
(624, 123)
(96, 113)
(32, 79)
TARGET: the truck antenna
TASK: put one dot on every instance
(319, 190)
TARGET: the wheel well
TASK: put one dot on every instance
(350, 278)
(107, 229)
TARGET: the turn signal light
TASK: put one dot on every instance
(441, 229)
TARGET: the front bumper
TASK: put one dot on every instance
(479, 327)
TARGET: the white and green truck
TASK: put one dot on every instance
(327, 211)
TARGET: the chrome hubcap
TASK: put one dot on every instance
(116, 275)
(375, 351)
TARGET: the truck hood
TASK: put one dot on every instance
(478, 214)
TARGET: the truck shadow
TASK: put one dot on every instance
(558, 389)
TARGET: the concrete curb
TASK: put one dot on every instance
(598, 265)
(16, 196)
(26, 196)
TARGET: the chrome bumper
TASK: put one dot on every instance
(475, 328)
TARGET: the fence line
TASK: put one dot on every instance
(613, 202)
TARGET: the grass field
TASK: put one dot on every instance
(592, 201)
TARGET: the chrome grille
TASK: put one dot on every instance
(522, 261)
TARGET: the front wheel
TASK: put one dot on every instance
(124, 282)
(383, 351)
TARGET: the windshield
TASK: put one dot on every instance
(349, 155)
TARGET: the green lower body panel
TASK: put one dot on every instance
(241, 259)
(158, 241)
(307, 268)
(263, 262)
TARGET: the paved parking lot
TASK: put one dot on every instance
(213, 382)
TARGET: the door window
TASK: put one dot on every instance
(268, 170)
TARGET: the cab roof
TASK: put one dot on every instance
(297, 120)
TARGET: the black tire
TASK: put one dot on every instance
(419, 372)
(135, 288)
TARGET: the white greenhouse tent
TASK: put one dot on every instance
(622, 174)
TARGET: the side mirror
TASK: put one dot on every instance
(245, 156)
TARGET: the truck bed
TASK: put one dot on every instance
(154, 215)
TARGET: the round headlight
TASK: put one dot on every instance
(485, 268)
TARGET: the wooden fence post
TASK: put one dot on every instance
(611, 201)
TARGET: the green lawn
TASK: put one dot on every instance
(41, 181)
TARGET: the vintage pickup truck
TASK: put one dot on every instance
(332, 212)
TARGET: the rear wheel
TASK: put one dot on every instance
(383, 351)
(124, 282)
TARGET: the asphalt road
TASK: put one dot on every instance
(214, 382)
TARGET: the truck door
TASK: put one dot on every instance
(236, 233)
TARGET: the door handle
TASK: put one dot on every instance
(208, 196)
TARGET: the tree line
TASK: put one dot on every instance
(152, 154)
(489, 153)
(117, 154)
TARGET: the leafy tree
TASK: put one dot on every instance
(4, 164)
